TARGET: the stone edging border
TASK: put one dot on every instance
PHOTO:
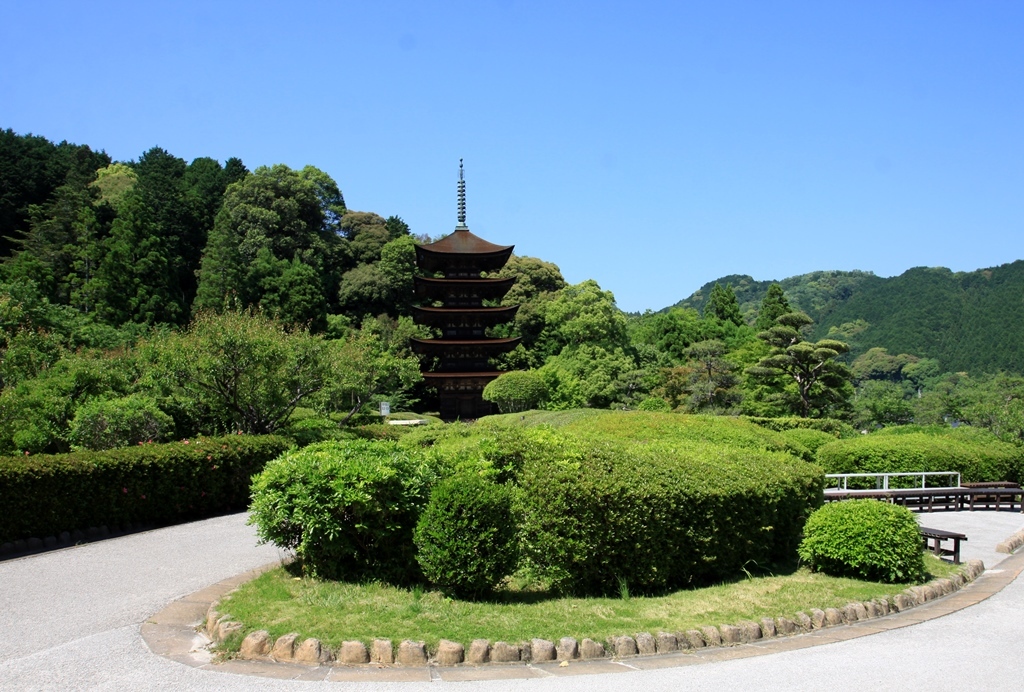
(259, 646)
(178, 633)
(1011, 544)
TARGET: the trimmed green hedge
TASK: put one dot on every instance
(45, 494)
(650, 426)
(808, 438)
(597, 513)
(835, 428)
(975, 459)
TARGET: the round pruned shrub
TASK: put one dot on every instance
(867, 539)
(347, 508)
(654, 403)
(466, 537)
(516, 390)
(111, 423)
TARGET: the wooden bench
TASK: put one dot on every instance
(934, 538)
(932, 499)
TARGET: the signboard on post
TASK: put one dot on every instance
(385, 408)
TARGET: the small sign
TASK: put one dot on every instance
(385, 408)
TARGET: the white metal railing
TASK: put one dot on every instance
(882, 479)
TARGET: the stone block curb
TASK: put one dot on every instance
(1011, 544)
(259, 645)
(178, 632)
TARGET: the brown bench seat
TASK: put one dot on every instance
(934, 538)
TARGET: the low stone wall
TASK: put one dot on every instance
(288, 648)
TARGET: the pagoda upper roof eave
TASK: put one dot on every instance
(463, 242)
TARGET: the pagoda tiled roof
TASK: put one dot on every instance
(465, 242)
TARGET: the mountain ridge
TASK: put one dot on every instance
(971, 321)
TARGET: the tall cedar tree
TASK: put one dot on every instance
(722, 304)
(773, 306)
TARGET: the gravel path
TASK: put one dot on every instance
(71, 620)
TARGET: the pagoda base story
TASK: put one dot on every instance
(460, 395)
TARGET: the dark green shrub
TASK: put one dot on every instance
(160, 483)
(916, 451)
(866, 539)
(348, 509)
(112, 423)
(307, 431)
(466, 537)
(598, 512)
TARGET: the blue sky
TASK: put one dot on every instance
(650, 146)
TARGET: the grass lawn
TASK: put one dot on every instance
(334, 612)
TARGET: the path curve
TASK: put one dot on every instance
(71, 619)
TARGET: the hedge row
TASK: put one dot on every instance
(655, 501)
(836, 428)
(658, 516)
(977, 459)
(650, 426)
(44, 495)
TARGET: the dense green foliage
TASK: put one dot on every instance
(866, 539)
(811, 439)
(650, 500)
(831, 426)
(968, 321)
(98, 256)
(977, 456)
(598, 513)
(655, 500)
(347, 509)
(467, 536)
(518, 390)
(46, 494)
(112, 423)
(805, 376)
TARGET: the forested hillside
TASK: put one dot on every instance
(816, 293)
(967, 321)
(158, 298)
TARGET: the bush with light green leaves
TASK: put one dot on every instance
(867, 539)
(347, 508)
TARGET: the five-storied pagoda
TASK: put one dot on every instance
(460, 358)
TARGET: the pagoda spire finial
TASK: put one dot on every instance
(462, 201)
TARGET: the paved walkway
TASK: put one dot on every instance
(71, 619)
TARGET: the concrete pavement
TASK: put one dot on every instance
(71, 619)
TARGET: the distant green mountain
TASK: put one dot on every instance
(816, 293)
(968, 321)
